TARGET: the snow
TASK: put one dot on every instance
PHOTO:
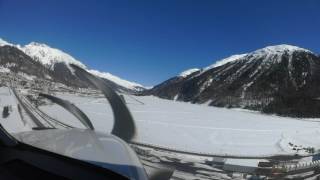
(49, 56)
(27, 76)
(117, 80)
(175, 98)
(148, 87)
(216, 64)
(13, 122)
(4, 43)
(225, 61)
(279, 49)
(10, 65)
(188, 72)
(241, 162)
(198, 128)
(273, 54)
(4, 69)
(267, 52)
(45, 54)
(206, 84)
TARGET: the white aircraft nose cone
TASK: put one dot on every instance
(101, 149)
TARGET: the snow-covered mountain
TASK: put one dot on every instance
(4, 43)
(13, 60)
(186, 73)
(119, 81)
(49, 56)
(59, 62)
(224, 61)
(281, 79)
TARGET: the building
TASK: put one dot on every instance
(241, 165)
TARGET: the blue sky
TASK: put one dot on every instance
(150, 41)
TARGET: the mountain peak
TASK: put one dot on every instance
(58, 60)
(275, 49)
(38, 44)
(280, 49)
(188, 72)
(116, 79)
(225, 61)
(4, 43)
(48, 55)
(280, 79)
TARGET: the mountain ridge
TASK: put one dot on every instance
(266, 80)
(59, 62)
(281, 79)
(269, 49)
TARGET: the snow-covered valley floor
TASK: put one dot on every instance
(199, 128)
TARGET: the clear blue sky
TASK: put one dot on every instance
(150, 41)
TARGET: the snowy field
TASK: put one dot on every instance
(13, 123)
(199, 128)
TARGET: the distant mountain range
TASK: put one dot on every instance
(54, 64)
(280, 79)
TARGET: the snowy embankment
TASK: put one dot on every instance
(199, 128)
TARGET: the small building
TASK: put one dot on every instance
(265, 164)
(241, 165)
(216, 162)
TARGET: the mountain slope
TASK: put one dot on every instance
(279, 79)
(58, 62)
(14, 60)
(49, 56)
(119, 81)
(4, 43)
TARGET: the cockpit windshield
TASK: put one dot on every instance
(160, 89)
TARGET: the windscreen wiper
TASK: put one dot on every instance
(124, 126)
(32, 155)
(71, 108)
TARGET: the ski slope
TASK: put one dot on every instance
(199, 128)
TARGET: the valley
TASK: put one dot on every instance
(208, 123)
